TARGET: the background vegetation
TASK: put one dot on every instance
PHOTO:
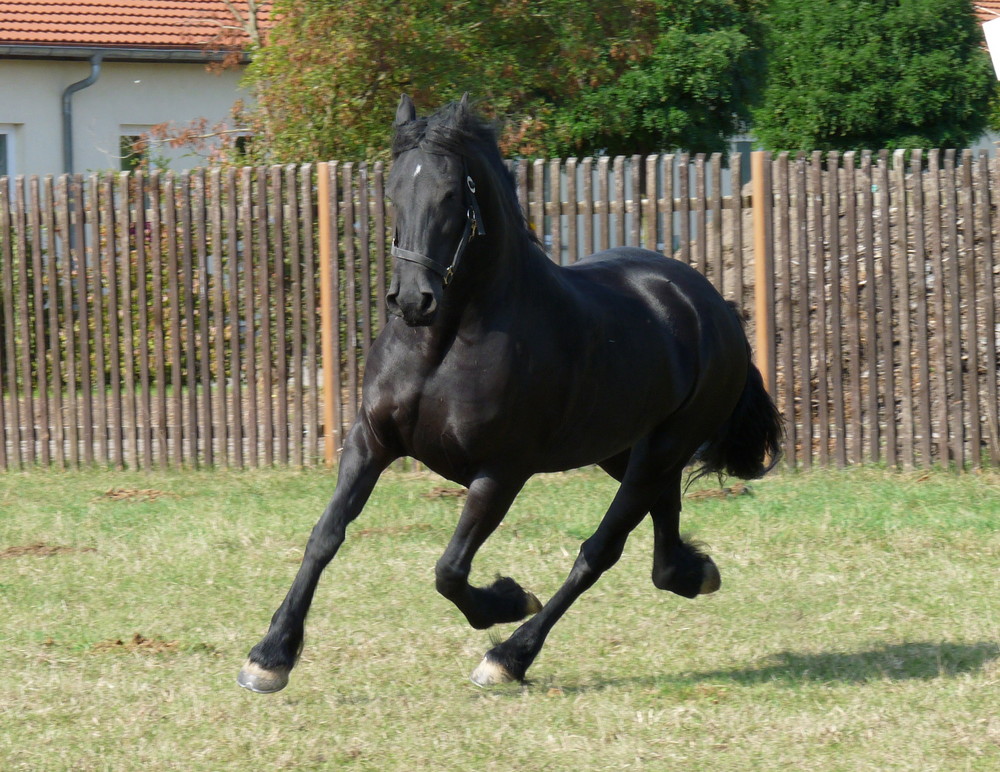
(565, 76)
(572, 77)
(857, 628)
(844, 74)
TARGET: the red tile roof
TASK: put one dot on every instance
(987, 9)
(174, 24)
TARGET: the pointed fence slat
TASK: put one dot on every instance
(10, 432)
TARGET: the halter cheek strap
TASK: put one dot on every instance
(473, 227)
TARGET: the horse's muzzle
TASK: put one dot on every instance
(415, 302)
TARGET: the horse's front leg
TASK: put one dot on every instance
(503, 601)
(362, 461)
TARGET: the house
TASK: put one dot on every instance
(79, 81)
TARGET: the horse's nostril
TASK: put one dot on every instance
(414, 308)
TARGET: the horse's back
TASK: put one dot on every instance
(672, 290)
(620, 265)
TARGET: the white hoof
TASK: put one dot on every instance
(255, 678)
(490, 674)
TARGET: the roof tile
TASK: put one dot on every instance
(987, 9)
(126, 24)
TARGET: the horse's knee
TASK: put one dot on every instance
(449, 580)
(597, 557)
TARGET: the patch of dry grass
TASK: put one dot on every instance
(857, 628)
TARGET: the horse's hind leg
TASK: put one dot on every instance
(638, 493)
(504, 600)
(678, 566)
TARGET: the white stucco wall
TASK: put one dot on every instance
(127, 96)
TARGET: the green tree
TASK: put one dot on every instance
(564, 76)
(329, 75)
(679, 74)
(848, 74)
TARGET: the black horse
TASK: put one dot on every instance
(498, 364)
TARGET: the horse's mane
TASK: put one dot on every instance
(458, 130)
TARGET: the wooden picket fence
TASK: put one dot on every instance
(884, 312)
(223, 317)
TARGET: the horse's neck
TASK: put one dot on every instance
(506, 268)
(499, 275)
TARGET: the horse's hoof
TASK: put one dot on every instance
(531, 603)
(491, 673)
(255, 678)
(711, 580)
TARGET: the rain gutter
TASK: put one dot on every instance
(67, 109)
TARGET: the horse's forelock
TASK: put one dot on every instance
(452, 129)
(460, 131)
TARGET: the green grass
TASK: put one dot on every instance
(858, 627)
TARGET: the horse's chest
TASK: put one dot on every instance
(469, 395)
(457, 410)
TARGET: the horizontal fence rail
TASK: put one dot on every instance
(223, 317)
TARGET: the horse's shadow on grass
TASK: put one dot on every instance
(885, 662)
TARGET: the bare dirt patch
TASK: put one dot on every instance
(740, 489)
(445, 493)
(41, 550)
(137, 643)
(135, 494)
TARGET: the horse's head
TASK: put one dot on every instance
(436, 209)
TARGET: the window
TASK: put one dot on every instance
(133, 149)
(8, 136)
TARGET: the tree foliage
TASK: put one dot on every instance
(569, 77)
(684, 78)
(873, 73)
(564, 76)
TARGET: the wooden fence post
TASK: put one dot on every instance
(326, 302)
(763, 250)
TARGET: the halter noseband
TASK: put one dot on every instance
(473, 227)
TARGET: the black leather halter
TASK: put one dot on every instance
(473, 227)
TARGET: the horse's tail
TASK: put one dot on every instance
(749, 443)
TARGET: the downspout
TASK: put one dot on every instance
(67, 109)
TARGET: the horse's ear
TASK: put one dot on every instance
(406, 112)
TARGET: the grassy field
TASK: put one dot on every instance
(858, 627)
